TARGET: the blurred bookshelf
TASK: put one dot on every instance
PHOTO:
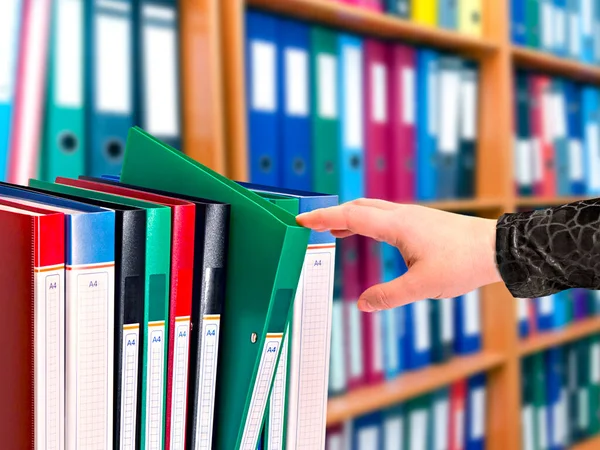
(554, 65)
(590, 444)
(549, 339)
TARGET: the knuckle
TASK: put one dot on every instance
(381, 298)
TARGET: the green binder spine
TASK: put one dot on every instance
(594, 383)
(583, 389)
(325, 114)
(417, 417)
(533, 22)
(156, 304)
(539, 401)
(265, 258)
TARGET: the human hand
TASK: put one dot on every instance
(447, 254)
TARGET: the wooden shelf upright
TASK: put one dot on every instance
(495, 193)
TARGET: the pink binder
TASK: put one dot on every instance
(373, 5)
(376, 79)
(402, 106)
(30, 91)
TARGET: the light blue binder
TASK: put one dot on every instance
(448, 14)
(591, 127)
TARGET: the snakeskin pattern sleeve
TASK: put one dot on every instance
(542, 252)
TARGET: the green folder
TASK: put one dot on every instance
(533, 22)
(266, 254)
(325, 115)
(539, 400)
(528, 409)
(594, 380)
(276, 415)
(583, 388)
(417, 417)
(156, 299)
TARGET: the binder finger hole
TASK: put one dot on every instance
(114, 149)
(265, 164)
(355, 162)
(67, 142)
(253, 338)
(299, 166)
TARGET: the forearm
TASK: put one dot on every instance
(542, 252)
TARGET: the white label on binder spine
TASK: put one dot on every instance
(68, 65)
(277, 402)
(432, 98)
(478, 413)
(468, 102)
(546, 304)
(583, 400)
(421, 327)
(575, 35)
(542, 430)
(522, 309)
(296, 82)
(113, 64)
(537, 159)
(335, 442)
(591, 137)
(9, 26)
(447, 310)
(264, 79)
(368, 437)
(595, 363)
(353, 96)
(418, 428)
(391, 338)
(576, 168)
(560, 32)
(356, 356)
(327, 70)
(49, 339)
(560, 419)
(181, 339)
(337, 368)
(449, 111)
(161, 99)
(587, 16)
(89, 379)
(560, 116)
(459, 430)
(407, 82)
(260, 392)
(527, 421)
(155, 382)
(548, 115)
(211, 325)
(471, 313)
(441, 424)
(377, 338)
(379, 93)
(392, 434)
(524, 160)
(129, 384)
(547, 24)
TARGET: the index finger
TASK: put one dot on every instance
(368, 221)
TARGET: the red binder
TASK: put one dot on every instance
(377, 129)
(353, 332)
(458, 401)
(541, 120)
(31, 305)
(402, 106)
(182, 265)
(29, 93)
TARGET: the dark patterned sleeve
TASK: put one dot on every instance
(546, 251)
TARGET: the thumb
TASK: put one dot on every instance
(405, 289)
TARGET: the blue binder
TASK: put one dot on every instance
(591, 122)
(467, 319)
(523, 324)
(561, 303)
(547, 30)
(561, 142)
(518, 26)
(448, 14)
(294, 98)
(262, 78)
(475, 414)
(367, 433)
(544, 308)
(351, 97)
(393, 427)
(157, 103)
(418, 334)
(587, 15)
(390, 265)
(427, 124)
(8, 64)
(574, 29)
(109, 83)
(560, 27)
(575, 133)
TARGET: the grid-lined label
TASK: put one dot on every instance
(260, 393)
(49, 353)
(181, 342)
(208, 380)
(277, 402)
(155, 384)
(129, 384)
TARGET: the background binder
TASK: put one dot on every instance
(468, 129)
(109, 83)
(64, 144)
(33, 314)
(475, 413)
(468, 323)
(241, 396)
(469, 17)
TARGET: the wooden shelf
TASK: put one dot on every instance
(546, 201)
(407, 386)
(550, 339)
(548, 63)
(465, 205)
(590, 444)
(358, 20)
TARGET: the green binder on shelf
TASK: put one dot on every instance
(533, 22)
(325, 115)
(594, 380)
(417, 433)
(266, 253)
(156, 303)
(583, 388)
(540, 404)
